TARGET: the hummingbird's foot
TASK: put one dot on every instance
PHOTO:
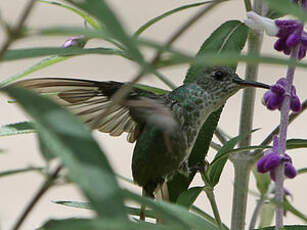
(201, 166)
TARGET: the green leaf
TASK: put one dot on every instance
(263, 181)
(38, 66)
(266, 214)
(296, 143)
(302, 170)
(103, 13)
(69, 139)
(289, 207)
(179, 57)
(74, 204)
(237, 150)
(205, 215)
(166, 14)
(188, 197)
(22, 170)
(17, 128)
(273, 14)
(152, 89)
(18, 54)
(288, 227)
(46, 146)
(230, 36)
(287, 7)
(102, 224)
(86, 17)
(86, 205)
(172, 213)
(217, 165)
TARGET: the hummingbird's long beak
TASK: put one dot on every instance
(246, 83)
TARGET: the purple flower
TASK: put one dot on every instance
(77, 41)
(271, 160)
(273, 98)
(290, 171)
(289, 32)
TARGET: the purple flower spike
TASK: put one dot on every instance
(290, 171)
(273, 98)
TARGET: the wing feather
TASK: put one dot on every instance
(89, 99)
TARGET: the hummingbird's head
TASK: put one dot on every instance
(221, 82)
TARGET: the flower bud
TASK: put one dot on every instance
(77, 41)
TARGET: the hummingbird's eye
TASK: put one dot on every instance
(219, 75)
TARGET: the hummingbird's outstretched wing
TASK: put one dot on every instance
(89, 99)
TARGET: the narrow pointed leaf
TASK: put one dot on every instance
(102, 224)
(188, 197)
(229, 37)
(296, 143)
(205, 215)
(302, 171)
(18, 54)
(17, 128)
(86, 17)
(86, 205)
(73, 143)
(172, 213)
(18, 171)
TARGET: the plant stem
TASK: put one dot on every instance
(215, 210)
(242, 174)
(259, 205)
(210, 194)
(242, 161)
(14, 33)
(44, 187)
(248, 5)
(284, 115)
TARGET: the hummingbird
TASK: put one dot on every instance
(165, 127)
